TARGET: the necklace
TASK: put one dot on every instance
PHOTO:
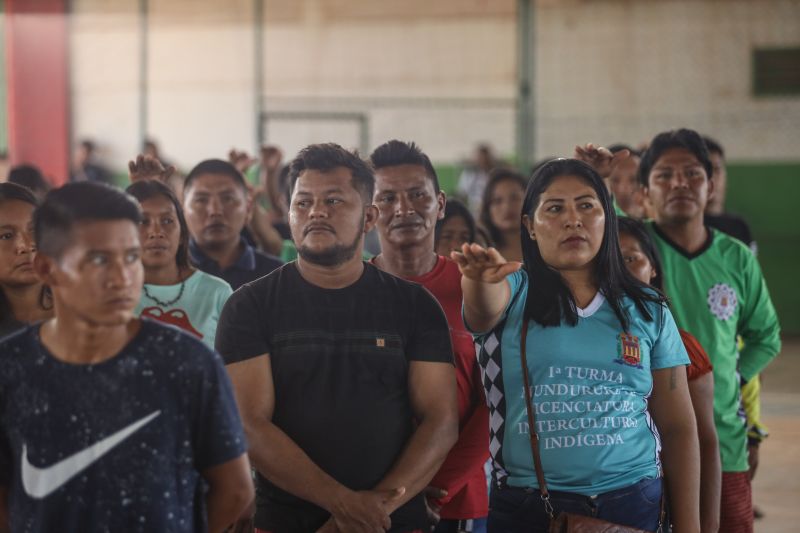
(165, 304)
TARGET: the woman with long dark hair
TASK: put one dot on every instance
(499, 216)
(602, 361)
(174, 291)
(641, 257)
(23, 297)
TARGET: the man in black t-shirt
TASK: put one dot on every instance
(109, 423)
(343, 373)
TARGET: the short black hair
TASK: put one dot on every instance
(328, 156)
(394, 153)
(15, 191)
(284, 185)
(214, 166)
(146, 189)
(618, 147)
(682, 138)
(83, 201)
(29, 176)
(714, 147)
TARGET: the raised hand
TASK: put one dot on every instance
(240, 159)
(365, 511)
(483, 264)
(271, 157)
(146, 167)
(601, 159)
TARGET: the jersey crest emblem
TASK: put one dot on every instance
(630, 352)
(722, 301)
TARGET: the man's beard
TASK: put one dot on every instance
(333, 256)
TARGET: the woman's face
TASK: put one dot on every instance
(17, 245)
(568, 224)
(505, 205)
(454, 233)
(635, 259)
(160, 232)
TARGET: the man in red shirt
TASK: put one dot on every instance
(409, 204)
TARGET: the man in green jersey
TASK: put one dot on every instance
(717, 292)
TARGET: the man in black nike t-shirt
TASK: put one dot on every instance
(343, 373)
(109, 423)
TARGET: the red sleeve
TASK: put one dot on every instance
(471, 451)
(699, 363)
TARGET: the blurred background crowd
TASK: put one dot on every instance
(478, 84)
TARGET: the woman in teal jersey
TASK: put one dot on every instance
(174, 291)
(610, 398)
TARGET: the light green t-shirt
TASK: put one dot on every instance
(196, 311)
(717, 294)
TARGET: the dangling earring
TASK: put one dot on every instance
(533, 236)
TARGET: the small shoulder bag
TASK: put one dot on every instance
(563, 522)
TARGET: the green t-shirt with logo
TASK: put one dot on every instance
(716, 294)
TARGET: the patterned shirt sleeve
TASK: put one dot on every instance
(517, 282)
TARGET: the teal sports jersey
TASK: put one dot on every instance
(591, 384)
(717, 294)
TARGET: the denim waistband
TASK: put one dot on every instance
(605, 496)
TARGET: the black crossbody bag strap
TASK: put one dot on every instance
(534, 437)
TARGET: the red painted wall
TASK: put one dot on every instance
(38, 90)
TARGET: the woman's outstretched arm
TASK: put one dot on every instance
(483, 281)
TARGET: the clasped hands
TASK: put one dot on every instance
(365, 511)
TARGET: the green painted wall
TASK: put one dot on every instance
(768, 196)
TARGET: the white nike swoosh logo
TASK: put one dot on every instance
(41, 482)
